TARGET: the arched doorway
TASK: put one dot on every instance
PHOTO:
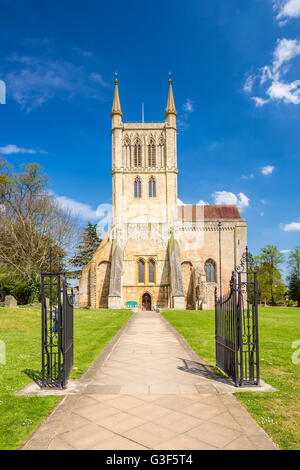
(146, 301)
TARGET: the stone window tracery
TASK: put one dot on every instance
(210, 270)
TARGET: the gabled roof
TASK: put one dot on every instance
(208, 212)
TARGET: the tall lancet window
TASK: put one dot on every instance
(210, 270)
(126, 153)
(151, 154)
(161, 154)
(141, 271)
(151, 274)
(152, 187)
(137, 154)
(137, 187)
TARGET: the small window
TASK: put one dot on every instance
(137, 154)
(152, 187)
(141, 271)
(210, 270)
(137, 187)
(151, 154)
(151, 271)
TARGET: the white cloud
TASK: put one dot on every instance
(270, 75)
(267, 170)
(97, 78)
(202, 203)
(226, 197)
(248, 86)
(287, 9)
(78, 209)
(34, 81)
(284, 91)
(248, 177)
(183, 119)
(188, 106)
(259, 101)
(266, 74)
(286, 50)
(85, 212)
(285, 251)
(10, 149)
(291, 226)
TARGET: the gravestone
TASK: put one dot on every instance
(10, 301)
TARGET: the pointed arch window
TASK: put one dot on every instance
(210, 270)
(126, 154)
(141, 271)
(137, 154)
(161, 153)
(137, 187)
(151, 271)
(151, 154)
(152, 187)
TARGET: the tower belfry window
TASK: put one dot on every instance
(152, 187)
(137, 187)
(151, 154)
(137, 154)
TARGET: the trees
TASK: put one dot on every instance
(294, 288)
(294, 277)
(294, 261)
(31, 221)
(88, 242)
(270, 284)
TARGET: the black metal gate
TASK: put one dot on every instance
(236, 327)
(57, 330)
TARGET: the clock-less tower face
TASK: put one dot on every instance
(144, 169)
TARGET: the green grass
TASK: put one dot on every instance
(277, 412)
(20, 329)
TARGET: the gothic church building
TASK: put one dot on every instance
(157, 252)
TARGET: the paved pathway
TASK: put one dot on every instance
(150, 393)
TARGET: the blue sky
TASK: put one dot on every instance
(235, 68)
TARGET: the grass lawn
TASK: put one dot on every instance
(277, 412)
(20, 329)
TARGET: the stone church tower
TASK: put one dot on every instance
(157, 253)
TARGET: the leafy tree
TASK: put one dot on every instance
(252, 262)
(294, 277)
(294, 261)
(269, 277)
(88, 243)
(294, 288)
(31, 221)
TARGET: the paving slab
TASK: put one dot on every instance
(148, 390)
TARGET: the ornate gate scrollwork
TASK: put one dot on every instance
(236, 327)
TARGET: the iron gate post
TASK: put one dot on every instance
(236, 352)
(240, 328)
(255, 300)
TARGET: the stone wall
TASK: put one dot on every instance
(200, 243)
(92, 292)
